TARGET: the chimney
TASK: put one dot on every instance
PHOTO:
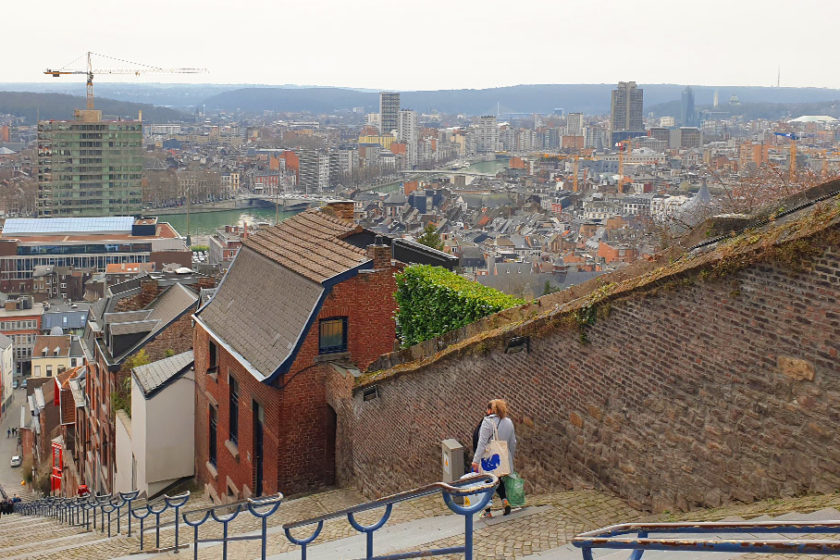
(380, 253)
(341, 210)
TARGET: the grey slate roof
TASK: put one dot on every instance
(174, 301)
(156, 375)
(260, 310)
(67, 320)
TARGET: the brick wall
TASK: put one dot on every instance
(688, 393)
(299, 441)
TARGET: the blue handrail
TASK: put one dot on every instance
(260, 508)
(480, 485)
(76, 511)
(638, 537)
(166, 503)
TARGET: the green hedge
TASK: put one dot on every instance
(432, 301)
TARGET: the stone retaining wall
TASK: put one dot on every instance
(693, 393)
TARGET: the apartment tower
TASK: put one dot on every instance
(407, 133)
(89, 167)
(488, 134)
(389, 108)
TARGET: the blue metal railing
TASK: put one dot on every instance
(260, 508)
(81, 511)
(640, 537)
(157, 509)
(480, 485)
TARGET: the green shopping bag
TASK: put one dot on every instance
(515, 489)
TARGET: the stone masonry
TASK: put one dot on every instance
(691, 391)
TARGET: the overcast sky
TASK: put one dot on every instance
(432, 44)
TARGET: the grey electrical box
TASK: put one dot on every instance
(452, 460)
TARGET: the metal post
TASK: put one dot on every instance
(468, 537)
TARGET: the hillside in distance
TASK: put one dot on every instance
(543, 99)
(46, 106)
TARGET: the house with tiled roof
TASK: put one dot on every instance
(52, 354)
(315, 290)
(155, 443)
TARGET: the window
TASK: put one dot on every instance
(37, 371)
(332, 336)
(212, 451)
(213, 358)
(234, 410)
(49, 371)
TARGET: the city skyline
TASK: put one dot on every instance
(649, 42)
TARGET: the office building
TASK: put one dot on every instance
(688, 116)
(83, 244)
(408, 134)
(89, 167)
(389, 108)
(626, 112)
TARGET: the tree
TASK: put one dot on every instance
(431, 238)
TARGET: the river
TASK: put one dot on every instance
(206, 223)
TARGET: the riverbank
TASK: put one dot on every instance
(218, 206)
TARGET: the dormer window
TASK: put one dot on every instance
(56, 351)
(43, 351)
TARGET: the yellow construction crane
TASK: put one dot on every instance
(90, 71)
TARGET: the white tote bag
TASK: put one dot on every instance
(496, 458)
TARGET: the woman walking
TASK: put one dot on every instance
(496, 421)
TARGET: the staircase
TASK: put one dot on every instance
(541, 531)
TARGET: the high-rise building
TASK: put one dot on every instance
(314, 171)
(389, 108)
(408, 134)
(688, 116)
(574, 124)
(488, 134)
(626, 111)
(89, 167)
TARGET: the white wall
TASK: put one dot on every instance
(159, 437)
(122, 443)
(169, 435)
(7, 370)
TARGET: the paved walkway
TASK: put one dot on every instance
(10, 477)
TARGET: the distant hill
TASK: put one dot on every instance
(60, 107)
(750, 111)
(185, 96)
(586, 98)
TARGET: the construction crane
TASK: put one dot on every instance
(624, 144)
(90, 71)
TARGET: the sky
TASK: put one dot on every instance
(430, 44)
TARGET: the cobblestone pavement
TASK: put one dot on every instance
(563, 515)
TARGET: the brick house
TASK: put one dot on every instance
(119, 327)
(313, 290)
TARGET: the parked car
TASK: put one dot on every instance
(15, 384)
(16, 460)
(23, 383)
